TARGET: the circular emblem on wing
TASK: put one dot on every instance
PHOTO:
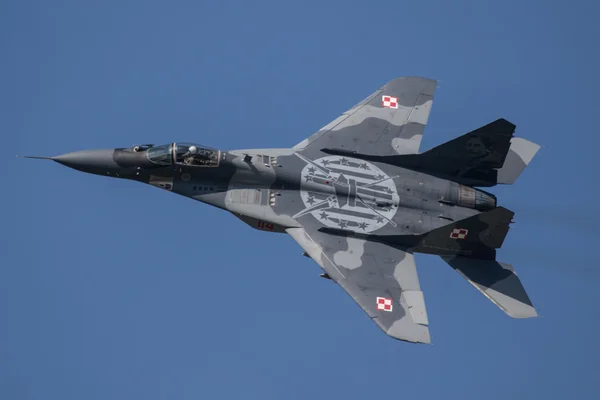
(346, 193)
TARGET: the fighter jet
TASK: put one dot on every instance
(360, 199)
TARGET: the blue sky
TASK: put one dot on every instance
(111, 289)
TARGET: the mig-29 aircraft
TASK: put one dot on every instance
(360, 199)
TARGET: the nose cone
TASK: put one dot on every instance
(92, 161)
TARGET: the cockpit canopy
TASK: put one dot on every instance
(160, 155)
(184, 153)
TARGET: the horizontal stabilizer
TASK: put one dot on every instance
(498, 282)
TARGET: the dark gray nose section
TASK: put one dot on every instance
(93, 161)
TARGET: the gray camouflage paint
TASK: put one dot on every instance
(360, 200)
(370, 128)
(367, 270)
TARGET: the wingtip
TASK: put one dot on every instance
(522, 312)
(409, 332)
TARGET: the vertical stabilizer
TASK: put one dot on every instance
(519, 155)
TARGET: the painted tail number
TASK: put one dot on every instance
(265, 226)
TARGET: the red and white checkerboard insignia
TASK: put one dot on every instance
(384, 304)
(458, 233)
(389, 101)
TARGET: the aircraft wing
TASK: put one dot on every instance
(381, 279)
(388, 122)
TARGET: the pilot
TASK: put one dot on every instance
(188, 157)
(199, 156)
